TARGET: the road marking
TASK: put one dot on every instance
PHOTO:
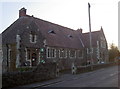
(53, 84)
(47, 84)
(113, 74)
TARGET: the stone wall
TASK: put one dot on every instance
(95, 67)
(41, 72)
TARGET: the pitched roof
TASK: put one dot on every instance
(54, 34)
(95, 37)
(13, 29)
(61, 36)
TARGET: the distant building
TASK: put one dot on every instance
(30, 41)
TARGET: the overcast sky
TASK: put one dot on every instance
(68, 13)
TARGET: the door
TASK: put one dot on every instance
(34, 59)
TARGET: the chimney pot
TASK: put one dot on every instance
(79, 30)
(22, 12)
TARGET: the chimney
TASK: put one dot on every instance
(101, 28)
(22, 12)
(79, 30)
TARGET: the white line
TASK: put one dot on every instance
(113, 74)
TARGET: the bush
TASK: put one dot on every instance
(22, 69)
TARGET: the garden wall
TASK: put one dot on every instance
(42, 72)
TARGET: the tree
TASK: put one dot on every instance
(113, 52)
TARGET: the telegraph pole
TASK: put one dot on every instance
(90, 35)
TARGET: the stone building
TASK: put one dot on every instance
(30, 41)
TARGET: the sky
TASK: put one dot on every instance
(69, 13)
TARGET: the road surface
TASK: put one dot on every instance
(105, 77)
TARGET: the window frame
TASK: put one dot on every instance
(31, 38)
(103, 44)
(70, 54)
(79, 53)
(89, 51)
(64, 53)
(52, 54)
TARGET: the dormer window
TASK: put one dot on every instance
(52, 31)
(70, 36)
(33, 37)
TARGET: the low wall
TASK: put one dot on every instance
(95, 67)
(42, 72)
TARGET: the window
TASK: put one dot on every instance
(44, 42)
(9, 57)
(62, 53)
(26, 56)
(80, 53)
(28, 53)
(18, 41)
(72, 53)
(33, 37)
(103, 45)
(51, 31)
(89, 51)
(48, 52)
(70, 36)
(51, 53)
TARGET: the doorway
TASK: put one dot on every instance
(34, 59)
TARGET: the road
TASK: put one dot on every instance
(105, 77)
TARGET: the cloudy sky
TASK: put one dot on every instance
(68, 13)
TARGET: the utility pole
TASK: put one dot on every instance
(90, 37)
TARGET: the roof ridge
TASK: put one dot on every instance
(92, 32)
(51, 23)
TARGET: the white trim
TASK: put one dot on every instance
(26, 54)
(18, 41)
(17, 50)
(51, 52)
(17, 59)
(47, 52)
(70, 53)
(35, 38)
(89, 51)
(81, 55)
(44, 42)
(30, 63)
(65, 53)
(39, 58)
(54, 53)
(26, 57)
(9, 53)
(103, 45)
(98, 50)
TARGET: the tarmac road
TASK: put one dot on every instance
(105, 77)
